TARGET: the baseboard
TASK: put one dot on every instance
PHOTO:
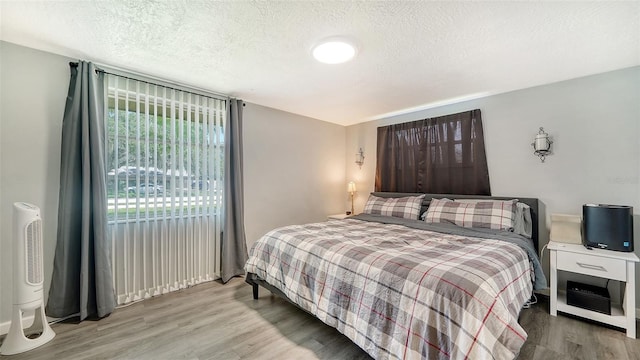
(26, 322)
(542, 295)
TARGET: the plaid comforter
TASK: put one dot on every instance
(400, 292)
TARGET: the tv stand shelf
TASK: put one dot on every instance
(605, 264)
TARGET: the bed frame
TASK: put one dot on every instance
(255, 282)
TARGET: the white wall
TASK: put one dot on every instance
(34, 88)
(294, 166)
(595, 125)
(293, 170)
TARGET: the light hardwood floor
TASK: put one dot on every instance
(215, 321)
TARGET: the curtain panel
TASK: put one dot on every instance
(81, 280)
(234, 244)
(442, 155)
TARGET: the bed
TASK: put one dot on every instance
(416, 276)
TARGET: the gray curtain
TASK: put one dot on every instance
(234, 245)
(82, 282)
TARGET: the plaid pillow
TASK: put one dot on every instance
(403, 207)
(483, 214)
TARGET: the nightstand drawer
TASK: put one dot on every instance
(592, 265)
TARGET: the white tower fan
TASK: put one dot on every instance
(28, 279)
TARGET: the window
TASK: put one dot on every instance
(443, 155)
(165, 181)
(165, 151)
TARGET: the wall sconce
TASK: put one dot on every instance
(360, 158)
(351, 189)
(542, 145)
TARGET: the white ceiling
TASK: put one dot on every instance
(411, 55)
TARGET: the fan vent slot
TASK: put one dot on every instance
(34, 252)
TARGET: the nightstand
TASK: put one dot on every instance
(604, 264)
(337, 217)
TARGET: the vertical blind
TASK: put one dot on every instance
(165, 171)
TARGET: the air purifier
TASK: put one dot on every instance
(28, 279)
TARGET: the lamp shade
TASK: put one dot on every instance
(352, 187)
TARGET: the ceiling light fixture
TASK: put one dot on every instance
(334, 51)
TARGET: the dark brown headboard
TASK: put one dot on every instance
(532, 202)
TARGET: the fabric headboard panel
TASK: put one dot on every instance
(532, 202)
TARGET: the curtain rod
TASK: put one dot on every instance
(181, 87)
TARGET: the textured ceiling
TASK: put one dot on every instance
(410, 54)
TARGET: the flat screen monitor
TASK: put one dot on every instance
(607, 227)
